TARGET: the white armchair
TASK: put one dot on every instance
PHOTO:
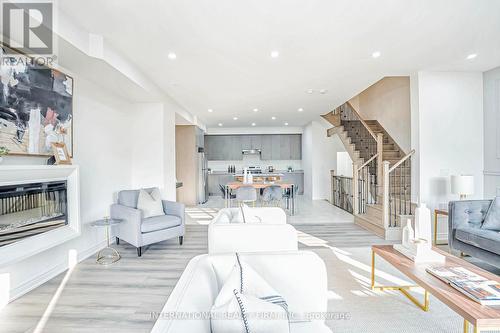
(299, 276)
(226, 233)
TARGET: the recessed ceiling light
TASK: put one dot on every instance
(235, 118)
(310, 91)
(255, 110)
(220, 124)
(300, 109)
(376, 54)
(210, 110)
(253, 124)
(172, 56)
(323, 91)
(471, 56)
(286, 124)
(275, 54)
(273, 118)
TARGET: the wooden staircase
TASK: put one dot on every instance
(359, 136)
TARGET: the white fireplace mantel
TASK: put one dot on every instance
(21, 174)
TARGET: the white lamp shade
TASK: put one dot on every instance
(463, 185)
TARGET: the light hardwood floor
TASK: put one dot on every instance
(121, 297)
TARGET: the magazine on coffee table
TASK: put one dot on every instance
(474, 286)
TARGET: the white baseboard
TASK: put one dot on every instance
(51, 273)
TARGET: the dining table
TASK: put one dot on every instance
(260, 185)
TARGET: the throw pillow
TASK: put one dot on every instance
(249, 314)
(249, 215)
(492, 219)
(150, 203)
(247, 303)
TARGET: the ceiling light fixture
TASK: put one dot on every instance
(273, 118)
(376, 54)
(255, 110)
(471, 56)
(235, 118)
(323, 91)
(172, 56)
(300, 109)
(310, 91)
(286, 124)
(220, 124)
(275, 54)
(253, 124)
(210, 110)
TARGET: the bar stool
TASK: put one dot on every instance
(246, 194)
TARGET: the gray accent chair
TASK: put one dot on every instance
(138, 231)
(466, 235)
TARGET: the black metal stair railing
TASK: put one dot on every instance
(399, 190)
(342, 196)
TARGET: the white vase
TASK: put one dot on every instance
(408, 234)
(423, 226)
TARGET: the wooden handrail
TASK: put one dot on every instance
(366, 163)
(362, 121)
(407, 156)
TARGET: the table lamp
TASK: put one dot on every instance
(462, 185)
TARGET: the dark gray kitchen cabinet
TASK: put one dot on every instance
(236, 148)
(256, 141)
(272, 146)
(276, 147)
(295, 147)
(285, 147)
(267, 147)
(246, 142)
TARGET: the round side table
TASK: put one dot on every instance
(108, 255)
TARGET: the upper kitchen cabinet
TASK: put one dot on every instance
(267, 147)
(272, 146)
(296, 147)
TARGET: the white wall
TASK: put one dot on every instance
(388, 101)
(146, 131)
(450, 112)
(492, 133)
(319, 156)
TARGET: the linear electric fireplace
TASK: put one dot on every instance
(31, 209)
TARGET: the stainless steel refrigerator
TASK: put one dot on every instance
(202, 194)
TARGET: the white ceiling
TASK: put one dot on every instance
(223, 48)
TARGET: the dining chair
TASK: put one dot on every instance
(246, 194)
(272, 195)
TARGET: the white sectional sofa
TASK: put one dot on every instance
(299, 276)
(228, 233)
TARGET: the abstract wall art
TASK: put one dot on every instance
(36, 106)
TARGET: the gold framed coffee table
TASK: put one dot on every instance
(483, 318)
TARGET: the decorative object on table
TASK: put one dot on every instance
(416, 244)
(108, 255)
(423, 226)
(140, 231)
(36, 105)
(290, 169)
(61, 153)
(3, 152)
(463, 185)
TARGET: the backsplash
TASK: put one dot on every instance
(254, 160)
